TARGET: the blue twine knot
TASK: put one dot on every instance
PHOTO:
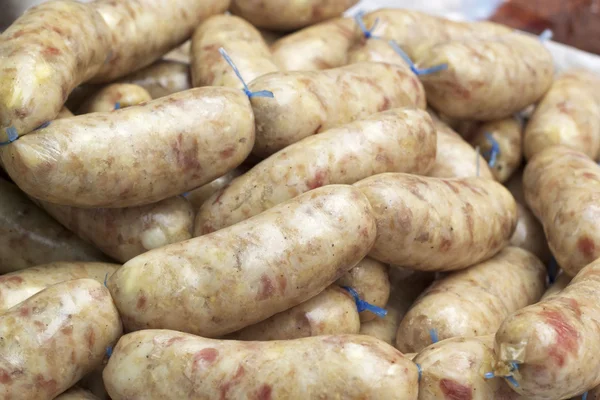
(109, 351)
(413, 68)
(584, 396)
(362, 305)
(117, 105)
(494, 152)
(433, 334)
(420, 371)
(12, 134)
(249, 93)
(513, 366)
(361, 24)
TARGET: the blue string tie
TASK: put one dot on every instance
(249, 93)
(433, 334)
(513, 367)
(117, 105)
(494, 152)
(105, 280)
(11, 133)
(109, 351)
(546, 35)
(362, 305)
(552, 270)
(413, 68)
(368, 33)
(420, 371)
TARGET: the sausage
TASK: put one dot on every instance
(64, 113)
(93, 383)
(52, 339)
(198, 196)
(568, 115)
(455, 369)
(375, 50)
(45, 54)
(320, 367)
(561, 187)
(434, 224)
(28, 236)
(529, 235)
(473, 302)
(399, 140)
(139, 34)
(489, 78)
(113, 97)
(554, 342)
(180, 54)
(288, 16)
(506, 134)
(370, 280)
(310, 102)
(330, 312)
(235, 277)
(173, 144)
(162, 78)
(321, 46)
(123, 233)
(19, 286)
(76, 393)
(561, 282)
(243, 43)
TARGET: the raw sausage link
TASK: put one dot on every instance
(311, 368)
(310, 102)
(52, 339)
(529, 235)
(123, 233)
(399, 140)
(140, 33)
(235, 277)
(562, 188)
(168, 146)
(45, 54)
(434, 224)
(198, 196)
(19, 286)
(113, 97)
(568, 115)
(375, 50)
(162, 78)
(243, 43)
(473, 302)
(331, 312)
(29, 237)
(555, 342)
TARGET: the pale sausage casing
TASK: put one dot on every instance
(19, 286)
(137, 155)
(399, 140)
(529, 235)
(198, 196)
(45, 54)
(434, 224)
(309, 102)
(555, 342)
(49, 341)
(115, 96)
(562, 188)
(29, 236)
(320, 367)
(243, 43)
(162, 78)
(475, 301)
(235, 277)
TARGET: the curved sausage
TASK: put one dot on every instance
(45, 54)
(52, 339)
(243, 43)
(529, 235)
(180, 54)
(29, 236)
(173, 144)
(310, 102)
(237, 276)
(308, 368)
(434, 224)
(113, 97)
(162, 78)
(399, 140)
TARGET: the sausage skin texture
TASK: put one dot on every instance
(162, 78)
(19, 286)
(568, 115)
(29, 237)
(554, 342)
(288, 16)
(76, 393)
(562, 187)
(371, 281)
(143, 30)
(507, 134)
(375, 50)
(198, 196)
(45, 54)
(322, 46)
(198, 368)
(529, 235)
(399, 140)
(243, 43)
(434, 224)
(113, 97)
(181, 53)
(173, 144)
(331, 312)
(473, 302)
(310, 102)
(238, 276)
(489, 78)
(454, 369)
(52, 339)
(124, 233)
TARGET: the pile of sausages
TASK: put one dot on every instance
(293, 204)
